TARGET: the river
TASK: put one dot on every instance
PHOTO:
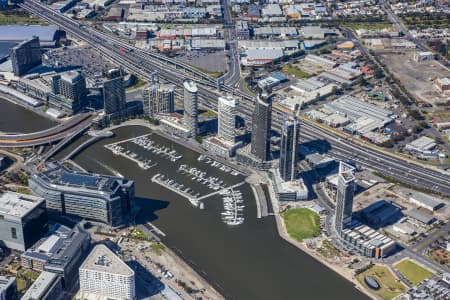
(246, 262)
(15, 118)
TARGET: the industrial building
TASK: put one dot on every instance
(61, 253)
(191, 107)
(101, 198)
(47, 35)
(419, 217)
(23, 220)
(317, 32)
(48, 286)
(380, 214)
(8, 288)
(25, 56)
(365, 117)
(425, 201)
(267, 32)
(103, 274)
(272, 81)
(421, 145)
(260, 56)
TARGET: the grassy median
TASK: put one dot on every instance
(390, 287)
(412, 271)
(301, 223)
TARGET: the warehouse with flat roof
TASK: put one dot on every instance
(19, 33)
(423, 200)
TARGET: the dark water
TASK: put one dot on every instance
(247, 262)
(15, 118)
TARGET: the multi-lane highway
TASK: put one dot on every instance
(143, 63)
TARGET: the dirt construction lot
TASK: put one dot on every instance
(417, 77)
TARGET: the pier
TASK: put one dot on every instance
(220, 191)
(261, 201)
(127, 140)
(118, 150)
(194, 201)
(90, 141)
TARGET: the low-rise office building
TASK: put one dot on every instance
(23, 220)
(101, 198)
(220, 147)
(48, 286)
(60, 253)
(291, 190)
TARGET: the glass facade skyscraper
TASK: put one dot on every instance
(261, 124)
(344, 196)
(191, 107)
(290, 134)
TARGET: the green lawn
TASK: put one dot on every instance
(412, 271)
(293, 70)
(390, 287)
(301, 223)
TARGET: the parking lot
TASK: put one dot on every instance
(90, 62)
(209, 61)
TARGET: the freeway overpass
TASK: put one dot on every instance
(75, 125)
(143, 63)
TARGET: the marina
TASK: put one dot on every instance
(200, 236)
(202, 177)
(178, 188)
(233, 207)
(150, 145)
(144, 164)
(218, 165)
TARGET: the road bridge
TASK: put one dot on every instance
(51, 135)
